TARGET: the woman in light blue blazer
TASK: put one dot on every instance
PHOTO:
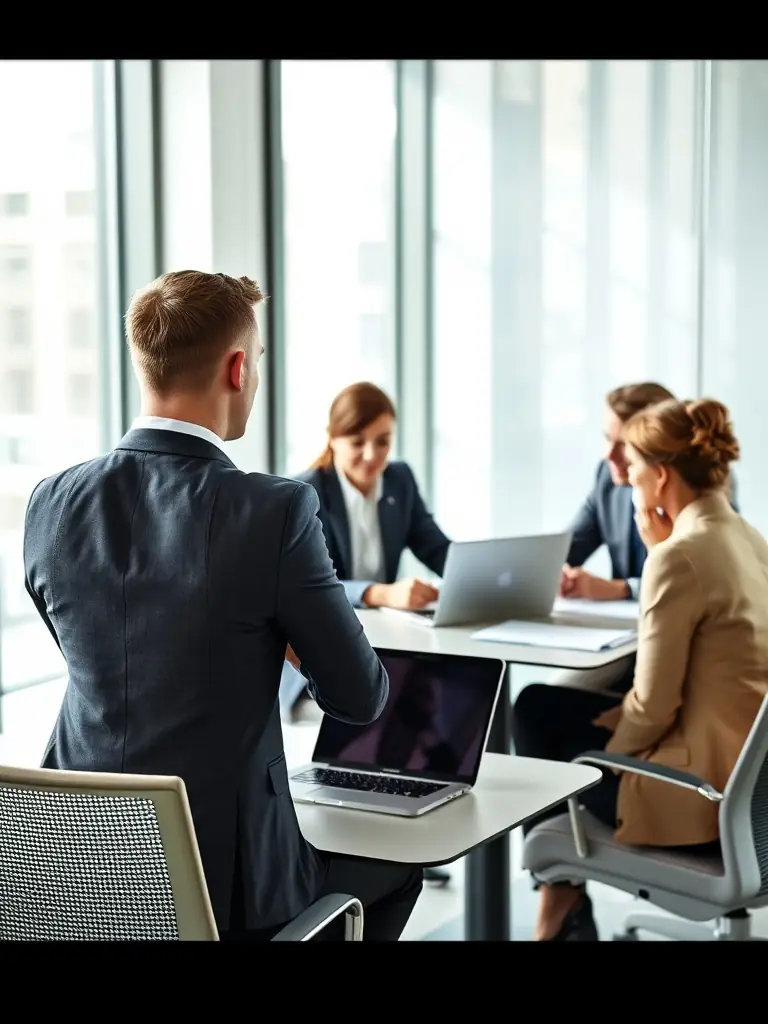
(371, 511)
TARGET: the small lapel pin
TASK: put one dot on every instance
(390, 500)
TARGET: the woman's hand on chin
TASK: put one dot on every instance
(653, 526)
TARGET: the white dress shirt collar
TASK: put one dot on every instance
(180, 426)
(356, 498)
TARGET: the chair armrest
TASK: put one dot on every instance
(321, 913)
(636, 765)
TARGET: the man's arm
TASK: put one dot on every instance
(672, 604)
(344, 675)
(35, 540)
(42, 611)
(587, 535)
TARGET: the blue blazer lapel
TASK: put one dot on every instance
(391, 512)
(336, 514)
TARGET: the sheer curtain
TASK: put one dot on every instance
(566, 231)
(735, 269)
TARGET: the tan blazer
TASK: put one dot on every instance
(701, 673)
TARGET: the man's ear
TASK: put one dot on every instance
(237, 370)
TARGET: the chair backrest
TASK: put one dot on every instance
(86, 855)
(744, 813)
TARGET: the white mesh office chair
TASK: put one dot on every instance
(114, 857)
(716, 888)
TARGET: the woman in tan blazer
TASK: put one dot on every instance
(702, 657)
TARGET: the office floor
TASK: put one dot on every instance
(28, 717)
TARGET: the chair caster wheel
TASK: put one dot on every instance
(626, 937)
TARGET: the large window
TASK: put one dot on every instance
(49, 409)
(735, 354)
(565, 250)
(339, 126)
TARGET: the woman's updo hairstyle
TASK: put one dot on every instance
(695, 438)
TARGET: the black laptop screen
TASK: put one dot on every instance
(434, 724)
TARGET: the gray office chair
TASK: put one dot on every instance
(91, 856)
(716, 888)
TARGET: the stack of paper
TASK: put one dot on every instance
(550, 634)
(623, 611)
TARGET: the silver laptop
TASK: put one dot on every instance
(423, 750)
(494, 580)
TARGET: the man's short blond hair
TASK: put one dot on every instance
(181, 325)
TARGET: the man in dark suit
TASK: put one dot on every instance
(608, 517)
(174, 584)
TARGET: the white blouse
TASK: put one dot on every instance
(364, 530)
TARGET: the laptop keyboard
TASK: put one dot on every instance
(369, 783)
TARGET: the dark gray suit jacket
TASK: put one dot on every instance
(607, 517)
(172, 582)
(403, 518)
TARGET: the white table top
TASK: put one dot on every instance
(509, 791)
(399, 633)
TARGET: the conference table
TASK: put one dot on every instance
(509, 791)
(390, 630)
(487, 884)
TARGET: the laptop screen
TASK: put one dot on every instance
(434, 725)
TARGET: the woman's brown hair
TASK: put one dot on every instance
(695, 438)
(352, 410)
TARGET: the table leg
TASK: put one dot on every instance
(487, 878)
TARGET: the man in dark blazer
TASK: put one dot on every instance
(608, 517)
(174, 584)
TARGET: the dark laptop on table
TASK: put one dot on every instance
(423, 750)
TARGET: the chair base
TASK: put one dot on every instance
(736, 927)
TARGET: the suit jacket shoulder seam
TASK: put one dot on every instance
(54, 560)
(288, 506)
